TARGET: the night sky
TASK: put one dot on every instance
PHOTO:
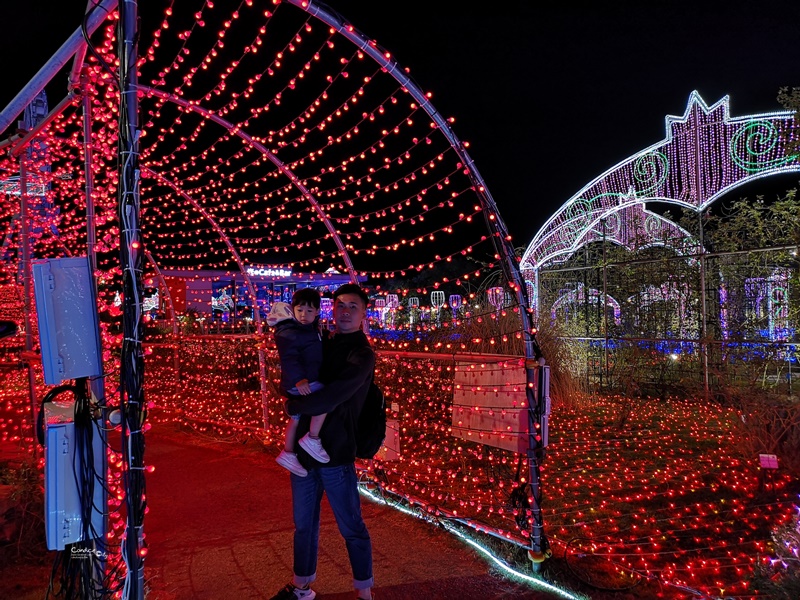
(549, 94)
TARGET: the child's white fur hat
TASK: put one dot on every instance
(280, 311)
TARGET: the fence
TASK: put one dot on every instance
(622, 475)
(668, 319)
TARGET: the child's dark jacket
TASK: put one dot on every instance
(300, 351)
(347, 372)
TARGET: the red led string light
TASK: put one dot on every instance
(363, 152)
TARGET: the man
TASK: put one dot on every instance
(347, 370)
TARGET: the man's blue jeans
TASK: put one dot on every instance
(340, 484)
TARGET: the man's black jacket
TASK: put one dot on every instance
(348, 366)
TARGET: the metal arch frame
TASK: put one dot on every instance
(532, 278)
(533, 258)
(591, 227)
(239, 132)
(537, 410)
(262, 361)
(393, 69)
(238, 259)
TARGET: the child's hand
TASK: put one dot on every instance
(303, 387)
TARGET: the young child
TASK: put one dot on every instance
(300, 351)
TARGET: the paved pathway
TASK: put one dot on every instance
(219, 527)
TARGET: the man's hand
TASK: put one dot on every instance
(303, 387)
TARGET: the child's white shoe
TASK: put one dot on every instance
(288, 460)
(314, 448)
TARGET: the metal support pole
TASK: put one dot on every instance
(131, 259)
(605, 307)
(96, 384)
(586, 318)
(703, 316)
(26, 284)
(538, 416)
(91, 238)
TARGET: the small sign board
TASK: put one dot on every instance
(390, 450)
(490, 404)
(768, 461)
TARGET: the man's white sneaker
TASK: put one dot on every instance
(292, 592)
(314, 447)
(288, 460)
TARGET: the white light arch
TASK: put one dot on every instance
(704, 155)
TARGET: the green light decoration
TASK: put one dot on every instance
(651, 171)
(652, 225)
(757, 147)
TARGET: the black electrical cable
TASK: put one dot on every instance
(91, 47)
(132, 359)
(80, 567)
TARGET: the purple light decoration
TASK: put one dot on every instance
(455, 304)
(496, 296)
(326, 308)
(437, 301)
(533, 299)
(723, 311)
(670, 292)
(767, 297)
(726, 152)
(778, 302)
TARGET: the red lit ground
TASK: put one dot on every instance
(219, 526)
(656, 490)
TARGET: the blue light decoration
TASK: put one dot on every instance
(326, 309)
(380, 310)
(446, 522)
(768, 299)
